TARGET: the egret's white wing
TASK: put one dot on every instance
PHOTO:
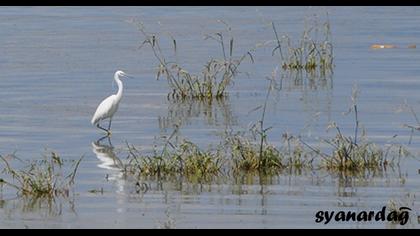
(104, 109)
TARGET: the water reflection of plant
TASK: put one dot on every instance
(298, 80)
(348, 182)
(315, 94)
(48, 207)
(214, 112)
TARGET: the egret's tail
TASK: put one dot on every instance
(94, 120)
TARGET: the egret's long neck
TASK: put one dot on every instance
(120, 87)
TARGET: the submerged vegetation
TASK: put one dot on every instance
(40, 179)
(185, 160)
(355, 154)
(350, 156)
(258, 155)
(251, 158)
(251, 153)
(237, 156)
(309, 53)
(217, 73)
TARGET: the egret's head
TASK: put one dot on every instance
(121, 74)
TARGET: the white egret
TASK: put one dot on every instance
(109, 105)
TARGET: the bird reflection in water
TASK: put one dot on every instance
(109, 161)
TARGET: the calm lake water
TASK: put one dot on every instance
(57, 64)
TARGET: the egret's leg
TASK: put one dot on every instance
(109, 126)
(102, 138)
(97, 125)
(98, 142)
(109, 141)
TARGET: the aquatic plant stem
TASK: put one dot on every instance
(357, 124)
(262, 130)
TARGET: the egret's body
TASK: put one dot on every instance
(109, 106)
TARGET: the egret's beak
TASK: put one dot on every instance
(128, 76)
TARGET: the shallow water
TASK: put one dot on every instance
(57, 64)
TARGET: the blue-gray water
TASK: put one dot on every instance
(57, 64)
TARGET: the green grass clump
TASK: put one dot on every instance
(297, 158)
(249, 156)
(353, 157)
(356, 154)
(199, 163)
(356, 157)
(309, 53)
(246, 156)
(39, 179)
(259, 155)
(187, 160)
(217, 73)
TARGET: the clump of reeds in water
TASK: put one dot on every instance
(355, 154)
(258, 155)
(186, 159)
(309, 53)
(44, 178)
(250, 157)
(238, 155)
(217, 73)
(252, 154)
(348, 155)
